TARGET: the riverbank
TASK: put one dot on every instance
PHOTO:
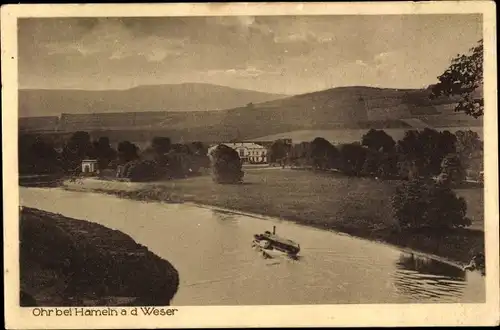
(356, 206)
(69, 262)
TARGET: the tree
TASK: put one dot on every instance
(161, 145)
(425, 150)
(469, 148)
(324, 155)
(417, 204)
(77, 148)
(278, 151)
(37, 156)
(104, 152)
(352, 157)
(388, 166)
(452, 168)
(127, 152)
(464, 78)
(226, 165)
(378, 140)
(142, 170)
(198, 148)
(372, 162)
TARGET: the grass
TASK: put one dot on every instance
(357, 206)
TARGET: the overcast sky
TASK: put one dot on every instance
(288, 55)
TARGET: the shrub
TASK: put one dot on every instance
(226, 165)
(352, 157)
(142, 170)
(452, 168)
(419, 204)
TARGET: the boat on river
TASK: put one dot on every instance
(271, 245)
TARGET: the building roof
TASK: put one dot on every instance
(250, 145)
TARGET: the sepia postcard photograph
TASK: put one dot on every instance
(248, 165)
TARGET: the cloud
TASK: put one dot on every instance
(361, 63)
(247, 72)
(384, 57)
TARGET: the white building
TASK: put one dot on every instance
(249, 152)
(89, 166)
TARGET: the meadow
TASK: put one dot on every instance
(357, 206)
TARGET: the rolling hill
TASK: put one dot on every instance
(339, 109)
(175, 97)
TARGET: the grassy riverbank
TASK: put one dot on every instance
(357, 206)
(68, 262)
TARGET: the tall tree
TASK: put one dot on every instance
(324, 155)
(127, 152)
(104, 152)
(278, 151)
(77, 148)
(378, 140)
(353, 156)
(452, 168)
(425, 149)
(161, 145)
(37, 156)
(226, 165)
(469, 147)
(464, 78)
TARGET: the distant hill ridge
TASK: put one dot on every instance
(167, 97)
(337, 108)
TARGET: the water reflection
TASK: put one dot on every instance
(426, 278)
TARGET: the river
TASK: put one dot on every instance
(217, 266)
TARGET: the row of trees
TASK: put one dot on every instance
(162, 158)
(423, 153)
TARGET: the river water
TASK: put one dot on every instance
(217, 266)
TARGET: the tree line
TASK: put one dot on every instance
(38, 155)
(420, 153)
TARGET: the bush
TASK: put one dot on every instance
(226, 165)
(142, 170)
(452, 168)
(419, 204)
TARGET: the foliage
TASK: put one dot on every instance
(279, 151)
(76, 149)
(161, 145)
(323, 154)
(352, 158)
(418, 204)
(37, 156)
(388, 166)
(142, 170)
(453, 169)
(425, 149)
(464, 77)
(127, 152)
(378, 140)
(104, 153)
(226, 165)
(470, 151)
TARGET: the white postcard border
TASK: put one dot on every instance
(252, 316)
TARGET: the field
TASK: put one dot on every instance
(357, 206)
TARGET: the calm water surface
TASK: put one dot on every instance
(217, 266)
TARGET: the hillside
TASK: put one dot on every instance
(175, 97)
(333, 109)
